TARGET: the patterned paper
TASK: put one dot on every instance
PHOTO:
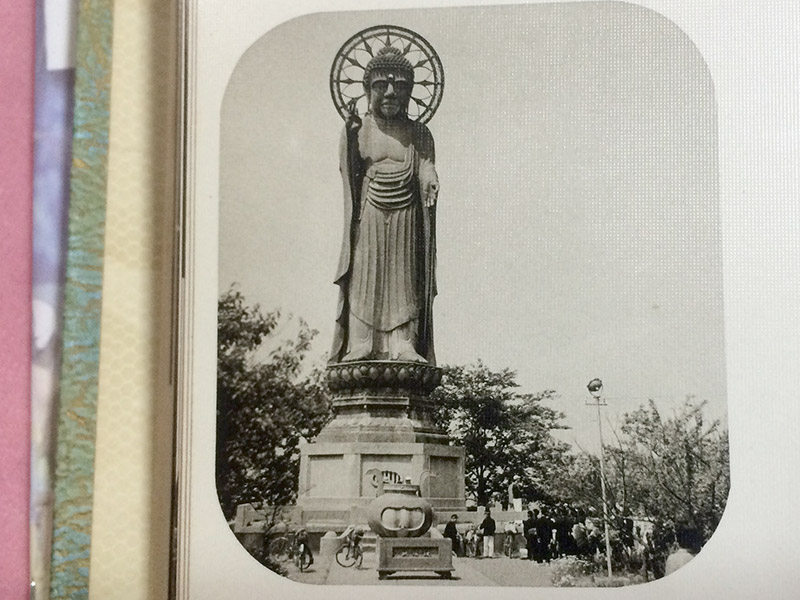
(78, 403)
(133, 468)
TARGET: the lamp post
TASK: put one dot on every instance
(595, 388)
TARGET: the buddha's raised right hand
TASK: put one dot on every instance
(353, 121)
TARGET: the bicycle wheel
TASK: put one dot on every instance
(279, 549)
(344, 558)
(303, 559)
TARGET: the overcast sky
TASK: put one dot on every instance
(578, 219)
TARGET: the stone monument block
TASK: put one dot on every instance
(383, 421)
(414, 554)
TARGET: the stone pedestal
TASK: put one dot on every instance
(382, 421)
(414, 554)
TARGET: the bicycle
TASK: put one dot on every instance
(350, 555)
(280, 548)
(472, 544)
(302, 560)
(284, 548)
(509, 545)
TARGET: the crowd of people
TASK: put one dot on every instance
(554, 532)
(546, 536)
(563, 532)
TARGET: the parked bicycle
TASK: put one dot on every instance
(510, 545)
(350, 553)
(280, 548)
(292, 546)
(471, 545)
(302, 551)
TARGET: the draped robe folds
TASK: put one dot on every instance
(386, 273)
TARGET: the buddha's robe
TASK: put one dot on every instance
(383, 281)
(386, 268)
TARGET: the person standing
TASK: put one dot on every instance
(580, 537)
(488, 528)
(563, 528)
(451, 532)
(544, 531)
(529, 529)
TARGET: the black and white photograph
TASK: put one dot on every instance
(401, 299)
(470, 321)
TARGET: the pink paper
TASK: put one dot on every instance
(17, 30)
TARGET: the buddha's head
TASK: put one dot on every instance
(388, 81)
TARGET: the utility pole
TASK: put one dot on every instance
(595, 388)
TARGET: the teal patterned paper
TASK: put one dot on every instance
(82, 303)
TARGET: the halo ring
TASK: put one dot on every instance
(347, 70)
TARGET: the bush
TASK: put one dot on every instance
(570, 571)
(262, 555)
(615, 581)
(578, 572)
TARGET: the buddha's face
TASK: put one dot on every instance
(389, 94)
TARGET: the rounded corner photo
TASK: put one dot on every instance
(471, 334)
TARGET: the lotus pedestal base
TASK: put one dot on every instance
(383, 420)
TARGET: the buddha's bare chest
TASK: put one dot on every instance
(376, 145)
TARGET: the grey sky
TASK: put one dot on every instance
(578, 220)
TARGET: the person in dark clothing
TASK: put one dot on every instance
(488, 527)
(529, 529)
(544, 531)
(536, 544)
(563, 525)
(451, 532)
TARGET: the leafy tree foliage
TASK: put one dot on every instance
(674, 471)
(578, 481)
(265, 404)
(506, 435)
(679, 467)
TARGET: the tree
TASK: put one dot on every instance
(680, 465)
(673, 471)
(578, 481)
(266, 402)
(506, 435)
